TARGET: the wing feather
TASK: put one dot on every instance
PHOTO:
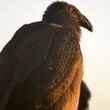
(43, 60)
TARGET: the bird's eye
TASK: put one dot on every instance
(63, 13)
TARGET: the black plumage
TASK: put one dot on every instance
(85, 95)
(42, 65)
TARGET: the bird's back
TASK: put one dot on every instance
(46, 58)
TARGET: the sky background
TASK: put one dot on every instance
(95, 46)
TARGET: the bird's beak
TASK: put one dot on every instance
(84, 22)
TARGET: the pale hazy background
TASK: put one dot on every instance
(95, 46)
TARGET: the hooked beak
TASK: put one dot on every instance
(86, 23)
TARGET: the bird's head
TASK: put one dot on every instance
(63, 13)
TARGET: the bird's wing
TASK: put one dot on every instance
(8, 65)
(42, 61)
(62, 63)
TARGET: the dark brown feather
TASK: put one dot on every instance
(41, 67)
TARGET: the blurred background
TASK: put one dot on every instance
(95, 46)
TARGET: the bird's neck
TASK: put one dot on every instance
(73, 27)
(66, 23)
